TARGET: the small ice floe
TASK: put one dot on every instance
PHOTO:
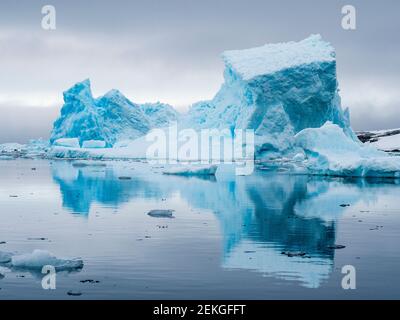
(159, 213)
(195, 170)
(39, 258)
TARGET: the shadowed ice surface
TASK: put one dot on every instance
(231, 237)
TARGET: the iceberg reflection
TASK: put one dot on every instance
(260, 216)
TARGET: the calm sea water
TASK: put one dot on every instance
(224, 242)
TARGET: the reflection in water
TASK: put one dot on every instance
(260, 216)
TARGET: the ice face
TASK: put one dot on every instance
(109, 118)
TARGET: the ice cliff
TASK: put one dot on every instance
(109, 118)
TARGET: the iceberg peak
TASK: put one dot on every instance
(79, 89)
(270, 58)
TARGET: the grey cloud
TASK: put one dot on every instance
(170, 50)
(20, 124)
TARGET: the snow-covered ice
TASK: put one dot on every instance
(386, 140)
(271, 58)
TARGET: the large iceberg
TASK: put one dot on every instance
(286, 93)
(277, 90)
(109, 118)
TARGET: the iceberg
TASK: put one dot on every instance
(109, 118)
(277, 90)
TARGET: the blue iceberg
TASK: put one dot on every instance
(109, 118)
(277, 90)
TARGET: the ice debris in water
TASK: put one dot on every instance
(193, 170)
(39, 258)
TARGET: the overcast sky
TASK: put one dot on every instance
(169, 51)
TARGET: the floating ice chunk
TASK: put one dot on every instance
(330, 152)
(158, 213)
(39, 258)
(67, 142)
(195, 170)
(94, 144)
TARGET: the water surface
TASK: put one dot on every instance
(225, 241)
